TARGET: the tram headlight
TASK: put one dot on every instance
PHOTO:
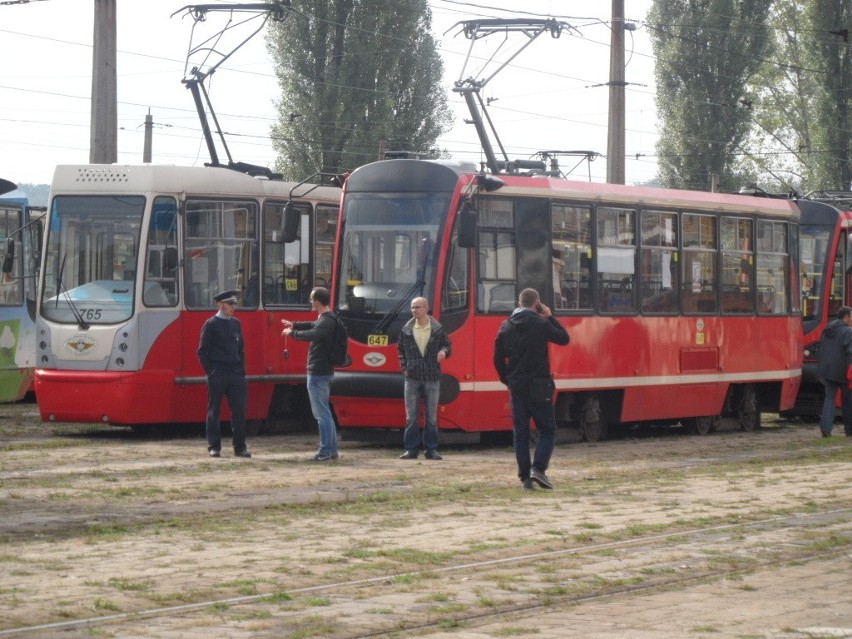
(123, 347)
(44, 359)
(119, 361)
(42, 345)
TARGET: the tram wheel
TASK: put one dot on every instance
(593, 423)
(702, 425)
(747, 411)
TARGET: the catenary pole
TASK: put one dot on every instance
(103, 146)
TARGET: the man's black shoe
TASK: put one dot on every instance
(213, 452)
(433, 454)
(409, 454)
(540, 478)
(242, 453)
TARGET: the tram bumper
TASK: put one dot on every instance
(138, 397)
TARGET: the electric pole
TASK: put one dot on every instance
(149, 130)
(615, 137)
(103, 146)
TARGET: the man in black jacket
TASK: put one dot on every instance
(522, 362)
(222, 356)
(320, 369)
(833, 361)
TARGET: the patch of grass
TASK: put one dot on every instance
(514, 631)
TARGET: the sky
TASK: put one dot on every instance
(550, 96)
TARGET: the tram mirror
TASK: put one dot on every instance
(467, 225)
(290, 223)
(9, 260)
(170, 258)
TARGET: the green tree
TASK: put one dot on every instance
(829, 52)
(355, 75)
(706, 52)
(802, 138)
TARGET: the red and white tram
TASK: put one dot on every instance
(132, 259)
(681, 306)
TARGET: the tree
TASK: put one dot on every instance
(802, 138)
(706, 52)
(354, 75)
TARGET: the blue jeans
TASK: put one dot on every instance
(523, 409)
(826, 422)
(319, 390)
(414, 391)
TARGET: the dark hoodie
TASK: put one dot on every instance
(835, 351)
(520, 350)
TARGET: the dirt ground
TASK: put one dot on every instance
(110, 533)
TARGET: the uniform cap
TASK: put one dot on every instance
(226, 296)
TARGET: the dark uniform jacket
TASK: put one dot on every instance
(321, 336)
(220, 348)
(835, 351)
(520, 350)
(420, 368)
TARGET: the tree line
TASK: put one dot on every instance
(748, 91)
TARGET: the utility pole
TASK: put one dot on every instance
(149, 130)
(103, 146)
(615, 138)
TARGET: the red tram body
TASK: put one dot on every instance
(681, 306)
(132, 258)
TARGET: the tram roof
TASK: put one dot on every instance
(161, 178)
(643, 196)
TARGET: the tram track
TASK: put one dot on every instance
(681, 548)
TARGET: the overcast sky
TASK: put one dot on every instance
(550, 97)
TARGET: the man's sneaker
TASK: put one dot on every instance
(409, 454)
(320, 457)
(433, 454)
(214, 452)
(528, 484)
(540, 478)
(242, 453)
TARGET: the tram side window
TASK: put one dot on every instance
(161, 261)
(220, 251)
(737, 277)
(325, 233)
(455, 295)
(698, 272)
(616, 260)
(11, 283)
(571, 257)
(658, 262)
(772, 273)
(497, 256)
(286, 267)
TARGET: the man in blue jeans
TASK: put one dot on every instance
(423, 345)
(320, 369)
(834, 359)
(521, 359)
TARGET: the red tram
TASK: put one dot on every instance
(681, 306)
(132, 259)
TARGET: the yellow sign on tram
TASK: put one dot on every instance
(377, 340)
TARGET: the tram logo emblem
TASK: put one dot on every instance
(374, 359)
(79, 344)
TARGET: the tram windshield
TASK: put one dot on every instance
(90, 259)
(389, 253)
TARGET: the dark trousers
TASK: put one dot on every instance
(524, 409)
(232, 385)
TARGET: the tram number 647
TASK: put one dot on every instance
(377, 340)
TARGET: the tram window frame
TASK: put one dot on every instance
(699, 243)
(772, 257)
(659, 243)
(795, 282)
(12, 285)
(286, 285)
(161, 288)
(615, 238)
(212, 243)
(455, 291)
(736, 254)
(572, 249)
(497, 256)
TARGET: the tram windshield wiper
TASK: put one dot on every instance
(60, 287)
